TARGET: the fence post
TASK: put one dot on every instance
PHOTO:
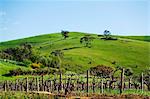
(5, 88)
(142, 82)
(129, 83)
(42, 83)
(60, 81)
(37, 84)
(27, 84)
(122, 81)
(87, 82)
(16, 85)
(93, 84)
(21, 89)
(8, 85)
(102, 88)
(50, 89)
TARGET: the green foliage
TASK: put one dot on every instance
(87, 39)
(107, 34)
(57, 58)
(102, 71)
(37, 71)
(57, 53)
(35, 65)
(65, 34)
(128, 72)
(21, 53)
(27, 62)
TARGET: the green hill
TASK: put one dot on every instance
(5, 67)
(141, 38)
(125, 52)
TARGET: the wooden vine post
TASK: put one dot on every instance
(122, 81)
(27, 84)
(142, 82)
(5, 86)
(60, 80)
(93, 83)
(42, 83)
(37, 84)
(102, 88)
(130, 83)
(87, 82)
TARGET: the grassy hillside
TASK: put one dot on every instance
(141, 38)
(126, 52)
(5, 67)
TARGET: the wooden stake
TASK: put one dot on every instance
(102, 88)
(42, 83)
(122, 81)
(87, 82)
(27, 84)
(142, 82)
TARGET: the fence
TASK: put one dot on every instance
(71, 85)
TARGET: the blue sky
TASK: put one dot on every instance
(24, 18)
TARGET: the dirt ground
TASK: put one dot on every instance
(111, 97)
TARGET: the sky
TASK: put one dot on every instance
(25, 18)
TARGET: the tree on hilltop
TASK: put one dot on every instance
(107, 34)
(65, 34)
(87, 39)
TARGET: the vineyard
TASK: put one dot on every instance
(75, 65)
(75, 85)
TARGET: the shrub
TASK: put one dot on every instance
(27, 62)
(109, 38)
(24, 51)
(43, 71)
(35, 65)
(102, 71)
(15, 72)
(128, 72)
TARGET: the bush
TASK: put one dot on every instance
(27, 62)
(128, 72)
(43, 71)
(102, 71)
(24, 51)
(15, 72)
(35, 65)
(109, 38)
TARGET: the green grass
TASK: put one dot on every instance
(4, 69)
(24, 95)
(141, 38)
(126, 52)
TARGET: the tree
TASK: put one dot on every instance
(57, 57)
(87, 39)
(43, 60)
(20, 53)
(107, 34)
(65, 34)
